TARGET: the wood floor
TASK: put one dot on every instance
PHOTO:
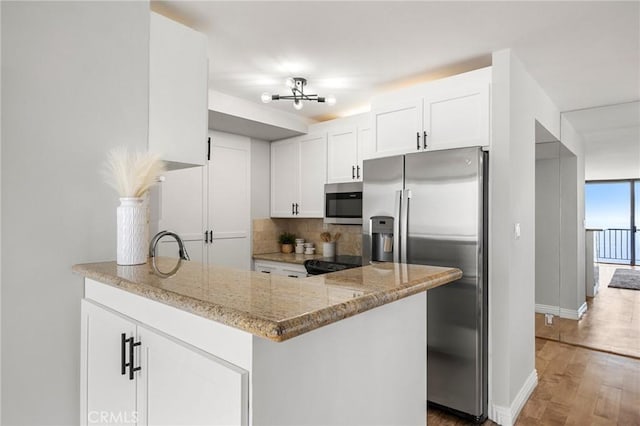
(576, 386)
(611, 323)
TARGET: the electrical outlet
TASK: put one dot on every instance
(548, 319)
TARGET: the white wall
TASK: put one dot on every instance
(575, 143)
(548, 231)
(517, 102)
(260, 178)
(75, 79)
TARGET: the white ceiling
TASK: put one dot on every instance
(583, 54)
(612, 140)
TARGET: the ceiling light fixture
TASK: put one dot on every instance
(296, 84)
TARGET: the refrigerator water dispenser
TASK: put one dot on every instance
(382, 238)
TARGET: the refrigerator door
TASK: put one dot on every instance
(382, 184)
(444, 217)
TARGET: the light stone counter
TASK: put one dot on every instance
(270, 306)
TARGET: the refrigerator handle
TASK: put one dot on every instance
(404, 227)
(397, 228)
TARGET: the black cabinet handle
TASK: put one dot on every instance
(297, 212)
(358, 168)
(424, 139)
(211, 236)
(293, 209)
(353, 172)
(132, 369)
(266, 272)
(123, 353)
(206, 237)
(292, 276)
(417, 140)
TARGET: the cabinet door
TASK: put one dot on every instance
(182, 385)
(105, 392)
(178, 91)
(182, 201)
(284, 177)
(313, 175)
(229, 205)
(397, 129)
(457, 117)
(364, 149)
(342, 155)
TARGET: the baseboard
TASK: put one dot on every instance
(574, 314)
(506, 416)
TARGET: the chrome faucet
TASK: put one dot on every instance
(154, 242)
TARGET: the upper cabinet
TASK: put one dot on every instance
(347, 147)
(178, 93)
(298, 175)
(443, 114)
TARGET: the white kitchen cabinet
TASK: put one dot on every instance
(284, 177)
(292, 270)
(176, 384)
(453, 112)
(456, 116)
(298, 175)
(178, 92)
(313, 175)
(397, 128)
(346, 149)
(209, 207)
(105, 390)
(182, 385)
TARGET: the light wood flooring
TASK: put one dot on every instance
(611, 323)
(576, 386)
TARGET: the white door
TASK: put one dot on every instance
(106, 394)
(182, 200)
(313, 175)
(182, 385)
(284, 177)
(457, 117)
(342, 155)
(229, 206)
(397, 129)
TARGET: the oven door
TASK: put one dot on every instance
(343, 203)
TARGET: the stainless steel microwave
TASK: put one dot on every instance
(343, 203)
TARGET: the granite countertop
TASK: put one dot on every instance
(266, 305)
(286, 257)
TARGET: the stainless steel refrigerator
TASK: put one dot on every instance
(430, 208)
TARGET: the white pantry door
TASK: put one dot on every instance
(229, 207)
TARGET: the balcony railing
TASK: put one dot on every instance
(614, 245)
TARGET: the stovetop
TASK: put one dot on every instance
(332, 264)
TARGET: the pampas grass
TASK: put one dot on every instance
(131, 174)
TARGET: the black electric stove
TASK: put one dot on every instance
(332, 264)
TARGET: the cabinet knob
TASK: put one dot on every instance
(353, 172)
(206, 237)
(418, 140)
(293, 209)
(358, 169)
(424, 139)
(297, 212)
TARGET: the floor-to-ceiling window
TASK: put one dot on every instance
(613, 207)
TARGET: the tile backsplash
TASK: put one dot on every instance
(266, 232)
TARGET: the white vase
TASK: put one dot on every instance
(132, 232)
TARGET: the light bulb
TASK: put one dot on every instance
(266, 97)
(297, 104)
(290, 82)
(330, 100)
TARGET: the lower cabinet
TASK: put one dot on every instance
(292, 270)
(132, 374)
